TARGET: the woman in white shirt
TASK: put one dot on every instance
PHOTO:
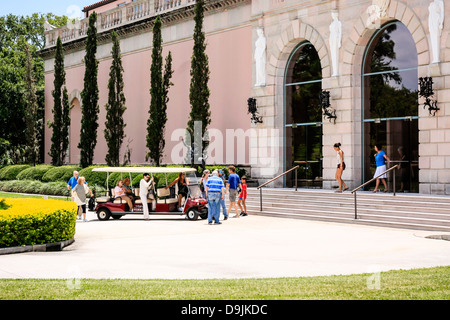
(340, 167)
(119, 193)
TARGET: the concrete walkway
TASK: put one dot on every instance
(249, 247)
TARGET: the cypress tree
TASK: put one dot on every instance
(33, 124)
(159, 88)
(89, 97)
(65, 120)
(115, 108)
(199, 91)
(56, 125)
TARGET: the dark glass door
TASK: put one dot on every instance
(306, 152)
(400, 141)
(303, 117)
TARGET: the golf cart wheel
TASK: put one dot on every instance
(103, 214)
(192, 214)
(204, 215)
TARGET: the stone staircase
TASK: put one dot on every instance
(412, 211)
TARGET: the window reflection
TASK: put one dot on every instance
(304, 116)
(391, 104)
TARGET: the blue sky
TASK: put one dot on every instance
(70, 8)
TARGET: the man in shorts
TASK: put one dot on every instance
(233, 183)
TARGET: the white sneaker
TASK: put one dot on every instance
(180, 209)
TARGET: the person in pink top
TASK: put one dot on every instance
(243, 196)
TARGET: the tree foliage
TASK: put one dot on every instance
(199, 90)
(159, 89)
(115, 108)
(33, 123)
(17, 32)
(57, 93)
(89, 97)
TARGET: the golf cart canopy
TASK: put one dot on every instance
(149, 170)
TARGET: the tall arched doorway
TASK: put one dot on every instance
(303, 116)
(390, 104)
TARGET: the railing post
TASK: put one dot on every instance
(393, 171)
(260, 199)
(356, 210)
(296, 179)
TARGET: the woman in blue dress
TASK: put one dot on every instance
(380, 159)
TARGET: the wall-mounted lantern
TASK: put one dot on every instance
(253, 110)
(328, 113)
(426, 91)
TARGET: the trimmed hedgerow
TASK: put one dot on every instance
(63, 173)
(239, 171)
(36, 221)
(11, 172)
(34, 173)
(94, 178)
(34, 187)
(58, 188)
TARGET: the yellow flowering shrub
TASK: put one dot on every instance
(29, 221)
(34, 206)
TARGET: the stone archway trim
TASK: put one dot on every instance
(293, 33)
(355, 45)
(75, 94)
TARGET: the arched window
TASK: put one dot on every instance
(303, 115)
(390, 103)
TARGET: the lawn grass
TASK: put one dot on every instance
(415, 284)
(20, 195)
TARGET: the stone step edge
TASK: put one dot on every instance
(46, 247)
(378, 217)
(343, 205)
(351, 211)
(350, 220)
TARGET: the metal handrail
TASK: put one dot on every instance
(279, 176)
(371, 180)
(272, 180)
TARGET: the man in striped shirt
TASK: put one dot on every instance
(215, 189)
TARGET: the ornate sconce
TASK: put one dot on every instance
(426, 91)
(252, 109)
(325, 105)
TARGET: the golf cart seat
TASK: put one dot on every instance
(102, 199)
(164, 193)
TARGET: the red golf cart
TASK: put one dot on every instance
(160, 201)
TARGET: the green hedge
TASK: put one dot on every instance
(55, 175)
(63, 173)
(58, 188)
(239, 171)
(11, 172)
(94, 178)
(32, 230)
(34, 173)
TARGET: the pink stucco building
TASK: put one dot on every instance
(366, 56)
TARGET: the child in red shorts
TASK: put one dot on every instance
(243, 196)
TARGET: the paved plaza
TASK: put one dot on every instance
(249, 247)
